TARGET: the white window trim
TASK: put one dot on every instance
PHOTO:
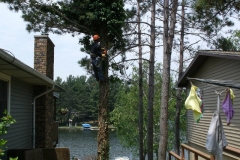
(7, 78)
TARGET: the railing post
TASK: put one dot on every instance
(182, 152)
(169, 156)
(195, 156)
(212, 157)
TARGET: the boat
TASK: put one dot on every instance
(86, 126)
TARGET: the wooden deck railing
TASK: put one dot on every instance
(232, 150)
(197, 153)
(171, 153)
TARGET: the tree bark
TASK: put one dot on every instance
(151, 82)
(141, 152)
(167, 52)
(179, 91)
(103, 116)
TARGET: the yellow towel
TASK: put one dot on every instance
(232, 94)
(193, 102)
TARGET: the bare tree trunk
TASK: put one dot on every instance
(167, 51)
(151, 82)
(179, 91)
(141, 153)
(103, 117)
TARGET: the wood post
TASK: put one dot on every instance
(182, 152)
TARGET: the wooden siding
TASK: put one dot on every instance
(20, 133)
(221, 69)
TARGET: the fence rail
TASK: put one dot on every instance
(197, 153)
(232, 150)
(171, 153)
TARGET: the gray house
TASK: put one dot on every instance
(28, 95)
(220, 66)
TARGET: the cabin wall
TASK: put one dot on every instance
(20, 133)
(219, 69)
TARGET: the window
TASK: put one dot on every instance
(4, 93)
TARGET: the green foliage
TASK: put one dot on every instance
(76, 98)
(235, 39)
(171, 117)
(231, 43)
(16, 158)
(81, 98)
(212, 16)
(6, 120)
(217, 4)
(63, 111)
(224, 44)
(125, 115)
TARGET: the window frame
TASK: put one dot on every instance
(7, 78)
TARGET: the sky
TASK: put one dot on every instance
(15, 38)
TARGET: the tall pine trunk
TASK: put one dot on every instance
(140, 85)
(179, 91)
(151, 82)
(167, 52)
(103, 116)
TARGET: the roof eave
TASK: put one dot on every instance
(198, 61)
(21, 66)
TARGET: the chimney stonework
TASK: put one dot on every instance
(44, 55)
(43, 63)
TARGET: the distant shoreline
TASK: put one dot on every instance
(81, 128)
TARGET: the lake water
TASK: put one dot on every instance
(84, 142)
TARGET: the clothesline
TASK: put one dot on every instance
(194, 102)
(210, 87)
(225, 83)
(216, 139)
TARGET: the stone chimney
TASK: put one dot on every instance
(44, 63)
(44, 55)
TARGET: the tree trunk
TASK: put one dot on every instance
(141, 154)
(151, 83)
(167, 52)
(103, 117)
(179, 91)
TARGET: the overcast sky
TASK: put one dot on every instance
(15, 38)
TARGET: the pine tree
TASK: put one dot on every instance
(81, 17)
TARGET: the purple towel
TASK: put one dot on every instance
(228, 107)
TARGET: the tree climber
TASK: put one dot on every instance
(96, 57)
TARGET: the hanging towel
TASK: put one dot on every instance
(232, 94)
(193, 102)
(227, 105)
(216, 139)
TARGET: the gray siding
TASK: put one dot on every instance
(20, 133)
(222, 69)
